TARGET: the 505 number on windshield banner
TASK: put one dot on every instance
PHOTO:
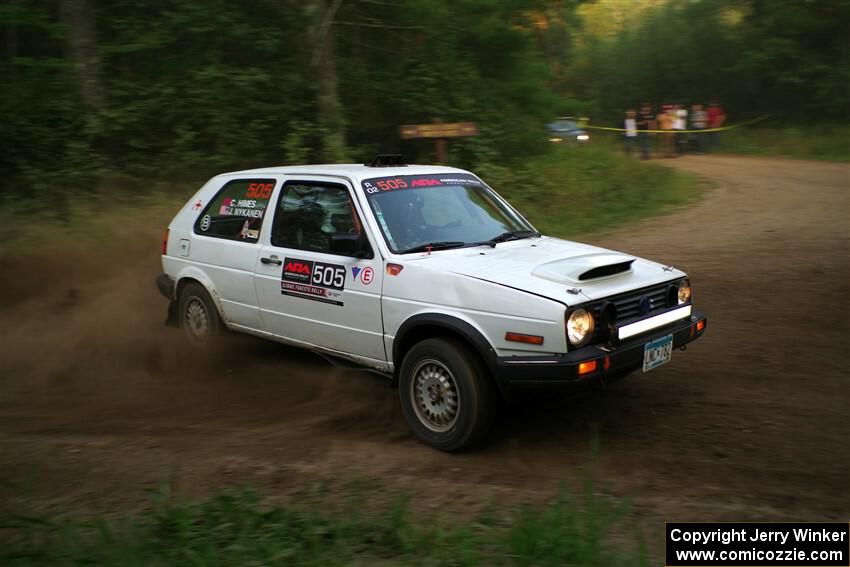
(379, 185)
(316, 281)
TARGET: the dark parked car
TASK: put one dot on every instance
(566, 129)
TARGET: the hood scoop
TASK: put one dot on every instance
(608, 270)
(584, 268)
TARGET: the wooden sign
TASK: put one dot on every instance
(438, 130)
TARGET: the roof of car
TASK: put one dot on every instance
(354, 171)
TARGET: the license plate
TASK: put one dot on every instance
(657, 352)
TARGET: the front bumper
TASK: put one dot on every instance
(516, 372)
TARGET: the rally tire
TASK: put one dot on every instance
(446, 395)
(198, 317)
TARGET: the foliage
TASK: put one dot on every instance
(194, 88)
(577, 190)
(786, 58)
(434, 60)
(235, 528)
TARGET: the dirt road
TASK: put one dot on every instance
(97, 403)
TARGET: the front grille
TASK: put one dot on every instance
(628, 306)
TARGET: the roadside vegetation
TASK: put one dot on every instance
(565, 191)
(578, 190)
(237, 528)
(805, 142)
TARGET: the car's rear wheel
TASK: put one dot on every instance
(198, 316)
(445, 394)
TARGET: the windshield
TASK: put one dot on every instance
(440, 211)
(563, 126)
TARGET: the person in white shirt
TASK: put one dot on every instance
(680, 123)
(699, 121)
(630, 135)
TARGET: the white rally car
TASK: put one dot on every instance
(424, 274)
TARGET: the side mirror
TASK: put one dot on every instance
(350, 244)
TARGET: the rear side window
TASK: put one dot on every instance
(237, 211)
(309, 213)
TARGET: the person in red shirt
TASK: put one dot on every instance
(716, 118)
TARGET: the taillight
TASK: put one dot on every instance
(165, 242)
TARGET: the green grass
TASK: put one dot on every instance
(235, 528)
(576, 190)
(816, 142)
(71, 219)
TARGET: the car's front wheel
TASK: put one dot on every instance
(198, 316)
(445, 394)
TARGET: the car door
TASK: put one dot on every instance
(225, 244)
(309, 293)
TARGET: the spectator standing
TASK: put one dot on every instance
(699, 120)
(630, 134)
(665, 122)
(646, 121)
(681, 123)
(716, 118)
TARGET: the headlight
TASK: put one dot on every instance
(582, 137)
(684, 291)
(579, 326)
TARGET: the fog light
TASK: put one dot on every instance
(586, 367)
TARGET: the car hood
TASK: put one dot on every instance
(565, 271)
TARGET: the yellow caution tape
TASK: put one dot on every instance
(721, 129)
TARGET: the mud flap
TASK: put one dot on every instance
(171, 316)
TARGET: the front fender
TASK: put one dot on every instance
(423, 325)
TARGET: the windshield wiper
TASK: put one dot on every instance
(442, 245)
(511, 235)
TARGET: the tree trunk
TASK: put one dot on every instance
(78, 17)
(12, 49)
(331, 119)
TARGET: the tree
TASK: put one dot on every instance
(78, 17)
(330, 115)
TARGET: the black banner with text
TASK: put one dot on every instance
(742, 544)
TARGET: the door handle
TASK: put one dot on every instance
(274, 261)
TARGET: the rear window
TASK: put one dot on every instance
(237, 211)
